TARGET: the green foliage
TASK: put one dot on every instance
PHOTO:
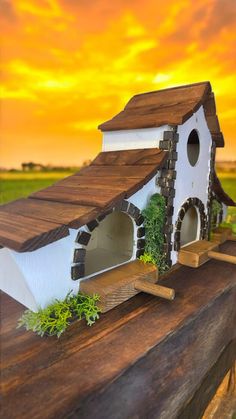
(54, 319)
(215, 210)
(146, 258)
(154, 220)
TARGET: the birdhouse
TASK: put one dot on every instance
(91, 223)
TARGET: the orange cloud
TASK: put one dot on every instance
(67, 66)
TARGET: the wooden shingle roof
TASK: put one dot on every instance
(46, 216)
(168, 107)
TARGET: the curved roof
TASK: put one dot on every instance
(171, 106)
(220, 193)
(46, 216)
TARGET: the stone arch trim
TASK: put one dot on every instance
(83, 236)
(191, 202)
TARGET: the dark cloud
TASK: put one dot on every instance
(7, 11)
(223, 15)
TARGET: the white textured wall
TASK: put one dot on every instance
(45, 273)
(133, 139)
(141, 198)
(13, 282)
(192, 181)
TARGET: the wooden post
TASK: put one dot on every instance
(222, 256)
(158, 290)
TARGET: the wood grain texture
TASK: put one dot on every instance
(73, 216)
(80, 198)
(122, 184)
(24, 234)
(221, 234)
(136, 157)
(175, 115)
(195, 254)
(146, 358)
(210, 384)
(222, 256)
(145, 172)
(118, 285)
(80, 195)
(101, 182)
(169, 106)
(153, 289)
(190, 92)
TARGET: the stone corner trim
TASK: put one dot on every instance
(166, 181)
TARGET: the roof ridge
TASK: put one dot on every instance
(182, 86)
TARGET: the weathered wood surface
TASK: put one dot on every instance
(145, 359)
(101, 182)
(136, 157)
(25, 234)
(143, 171)
(168, 106)
(154, 289)
(60, 213)
(222, 256)
(80, 195)
(118, 285)
(80, 198)
(209, 385)
(221, 234)
(129, 185)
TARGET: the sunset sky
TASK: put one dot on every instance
(68, 65)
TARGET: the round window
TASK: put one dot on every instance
(193, 147)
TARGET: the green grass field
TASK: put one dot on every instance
(15, 185)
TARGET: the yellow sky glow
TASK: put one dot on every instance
(69, 65)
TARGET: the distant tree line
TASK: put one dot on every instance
(38, 167)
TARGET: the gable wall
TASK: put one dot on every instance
(133, 139)
(192, 181)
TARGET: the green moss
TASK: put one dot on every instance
(154, 221)
(215, 211)
(146, 258)
(54, 319)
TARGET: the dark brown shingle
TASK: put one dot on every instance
(168, 107)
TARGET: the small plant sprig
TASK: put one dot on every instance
(54, 319)
(147, 258)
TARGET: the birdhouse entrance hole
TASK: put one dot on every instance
(111, 243)
(193, 147)
(190, 227)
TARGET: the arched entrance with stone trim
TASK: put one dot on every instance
(114, 238)
(191, 223)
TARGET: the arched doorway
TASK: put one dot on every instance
(111, 243)
(191, 223)
(190, 227)
(113, 238)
